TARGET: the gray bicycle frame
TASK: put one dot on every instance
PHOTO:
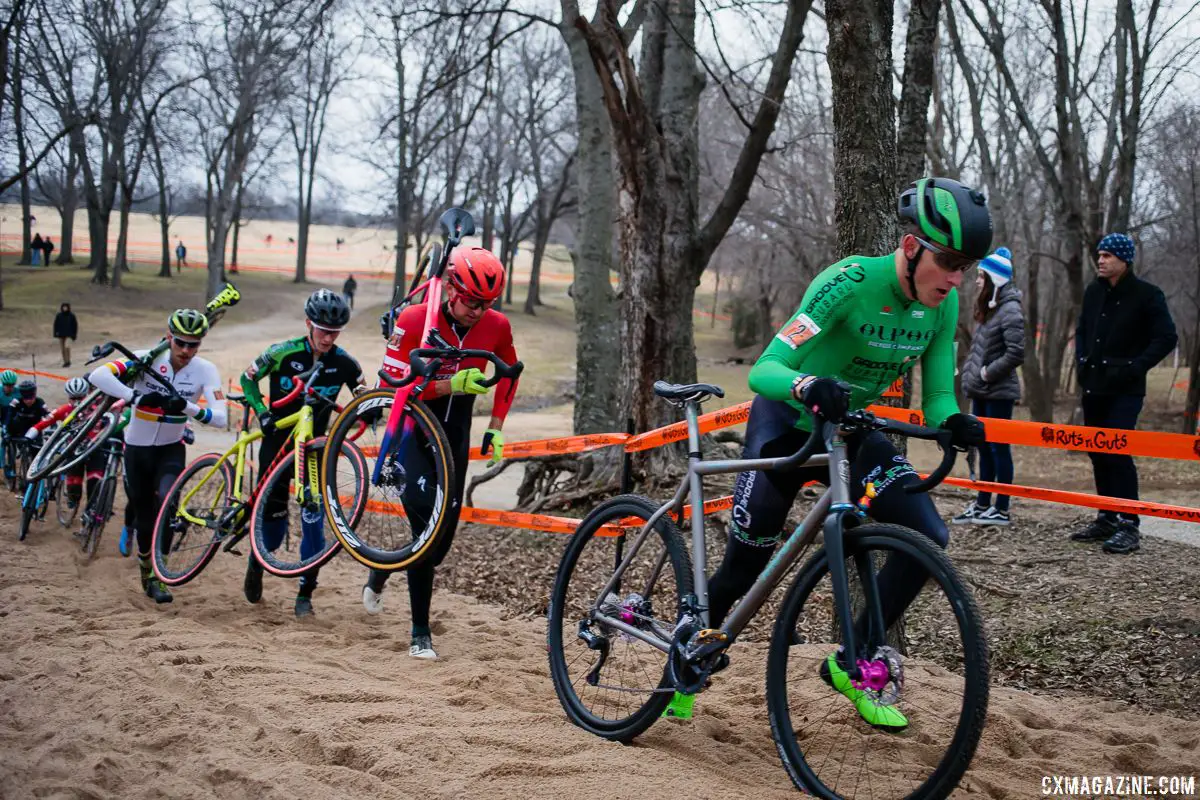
(837, 496)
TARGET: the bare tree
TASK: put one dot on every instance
(322, 70)
(664, 248)
(60, 185)
(247, 52)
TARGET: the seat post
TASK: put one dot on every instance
(691, 413)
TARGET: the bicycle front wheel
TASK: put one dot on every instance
(611, 682)
(29, 507)
(293, 540)
(62, 506)
(97, 514)
(406, 504)
(931, 667)
(189, 525)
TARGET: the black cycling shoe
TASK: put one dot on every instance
(303, 607)
(252, 585)
(1098, 530)
(157, 591)
(1126, 540)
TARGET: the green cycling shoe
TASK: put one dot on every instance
(875, 713)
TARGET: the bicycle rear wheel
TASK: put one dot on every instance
(82, 448)
(280, 545)
(610, 682)
(937, 677)
(416, 476)
(182, 547)
(89, 414)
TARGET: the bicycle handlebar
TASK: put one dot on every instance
(940, 435)
(302, 386)
(105, 350)
(419, 367)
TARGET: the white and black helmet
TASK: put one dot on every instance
(327, 310)
(77, 388)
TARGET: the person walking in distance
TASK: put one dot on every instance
(989, 376)
(348, 290)
(180, 256)
(65, 327)
(1124, 329)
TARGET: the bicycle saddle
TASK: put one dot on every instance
(687, 391)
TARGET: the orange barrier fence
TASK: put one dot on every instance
(1074, 437)
(1141, 507)
(35, 372)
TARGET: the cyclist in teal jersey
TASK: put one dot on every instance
(863, 323)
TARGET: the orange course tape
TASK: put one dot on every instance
(1073, 437)
(551, 447)
(1079, 499)
(39, 374)
(722, 418)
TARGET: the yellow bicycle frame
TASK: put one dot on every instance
(301, 424)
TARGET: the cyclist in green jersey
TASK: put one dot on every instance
(863, 323)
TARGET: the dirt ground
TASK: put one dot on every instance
(1095, 659)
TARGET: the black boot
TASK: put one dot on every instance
(252, 585)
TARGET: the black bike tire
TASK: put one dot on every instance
(199, 464)
(27, 514)
(64, 440)
(973, 715)
(333, 544)
(80, 453)
(97, 521)
(376, 558)
(617, 508)
(61, 506)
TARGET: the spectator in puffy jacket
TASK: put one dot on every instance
(1124, 329)
(989, 376)
(65, 327)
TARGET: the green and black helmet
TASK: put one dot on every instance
(8, 378)
(949, 215)
(187, 322)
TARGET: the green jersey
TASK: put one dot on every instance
(856, 325)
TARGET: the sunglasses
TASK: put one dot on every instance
(947, 259)
(185, 344)
(475, 305)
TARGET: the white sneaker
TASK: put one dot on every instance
(422, 647)
(372, 601)
(969, 514)
(992, 516)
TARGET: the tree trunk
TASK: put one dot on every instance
(864, 124)
(236, 227)
(18, 91)
(70, 202)
(121, 262)
(533, 297)
(917, 86)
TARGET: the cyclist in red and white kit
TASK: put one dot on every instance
(474, 279)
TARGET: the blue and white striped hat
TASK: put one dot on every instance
(1119, 245)
(999, 266)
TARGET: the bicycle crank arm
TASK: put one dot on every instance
(228, 548)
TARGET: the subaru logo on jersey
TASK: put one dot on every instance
(888, 333)
(296, 365)
(918, 313)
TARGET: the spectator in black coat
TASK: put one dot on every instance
(1124, 329)
(989, 377)
(65, 327)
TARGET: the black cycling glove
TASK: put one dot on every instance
(966, 431)
(825, 396)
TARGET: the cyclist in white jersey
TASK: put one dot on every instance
(154, 449)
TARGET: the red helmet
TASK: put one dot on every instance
(476, 273)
